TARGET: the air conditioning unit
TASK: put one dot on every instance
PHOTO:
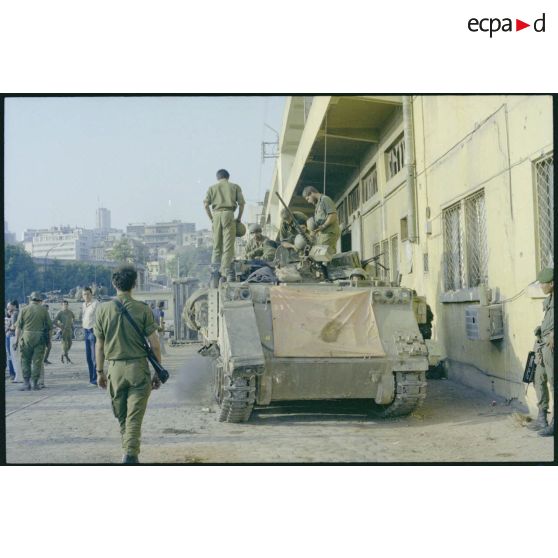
(484, 323)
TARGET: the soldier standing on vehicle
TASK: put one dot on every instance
(325, 218)
(128, 377)
(220, 204)
(65, 321)
(33, 328)
(544, 349)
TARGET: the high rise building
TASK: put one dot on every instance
(103, 218)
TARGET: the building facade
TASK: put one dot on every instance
(452, 195)
(160, 235)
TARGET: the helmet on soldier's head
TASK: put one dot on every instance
(35, 295)
(284, 213)
(546, 275)
(240, 229)
(300, 242)
(311, 224)
(254, 228)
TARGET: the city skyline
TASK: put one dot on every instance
(145, 159)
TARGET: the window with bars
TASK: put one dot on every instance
(544, 178)
(377, 251)
(385, 260)
(342, 214)
(395, 157)
(465, 243)
(370, 184)
(353, 200)
(394, 258)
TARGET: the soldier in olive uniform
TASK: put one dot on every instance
(327, 229)
(128, 376)
(544, 373)
(33, 328)
(255, 245)
(65, 321)
(220, 204)
(287, 229)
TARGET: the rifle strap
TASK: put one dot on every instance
(124, 312)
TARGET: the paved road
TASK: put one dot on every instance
(71, 422)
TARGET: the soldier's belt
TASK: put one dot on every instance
(224, 209)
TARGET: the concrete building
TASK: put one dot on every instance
(61, 243)
(455, 196)
(160, 235)
(103, 218)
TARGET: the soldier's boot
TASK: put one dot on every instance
(540, 422)
(46, 361)
(130, 459)
(26, 385)
(36, 385)
(68, 359)
(548, 431)
(62, 359)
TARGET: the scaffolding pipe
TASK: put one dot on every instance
(410, 165)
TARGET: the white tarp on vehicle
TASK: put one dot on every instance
(320, 322)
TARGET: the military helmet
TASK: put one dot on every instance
(311, 224)
(240, 229)
(36, 295)
(300, 242)
(546, 275)
(255, 228)
(358, 272)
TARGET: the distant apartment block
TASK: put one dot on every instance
(160, 235)
(103, 218)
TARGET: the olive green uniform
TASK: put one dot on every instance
(544, 373)
(255, 248)
(224, 197)
(287, 230)
(331, 233)
(128, 375)
(66, 318)
(35, 325)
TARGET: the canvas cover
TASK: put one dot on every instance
(318, 322)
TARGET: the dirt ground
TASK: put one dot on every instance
(71, 422)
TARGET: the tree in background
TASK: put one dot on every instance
(128, 251)
(20, 273)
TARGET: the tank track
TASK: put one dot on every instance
(239, 396)
(410, 392)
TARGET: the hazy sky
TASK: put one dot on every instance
(146, 159)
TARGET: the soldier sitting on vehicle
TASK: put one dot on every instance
(287, 229)
(255, 245)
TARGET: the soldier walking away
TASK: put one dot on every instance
(544, 350)
(326, 228)
(88, 321)
(32, 331)
(65, 321)
(220, 204)
(128, 376)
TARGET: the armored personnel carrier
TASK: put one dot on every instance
(321, 329)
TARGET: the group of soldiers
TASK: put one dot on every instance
(224, 197)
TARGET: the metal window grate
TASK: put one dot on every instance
(385, 259)
(396, 157)
(370, 184)
(394, 258)
(453, 249)
(544, 176)
(353, 200)
(475, 234)
(377, 268)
